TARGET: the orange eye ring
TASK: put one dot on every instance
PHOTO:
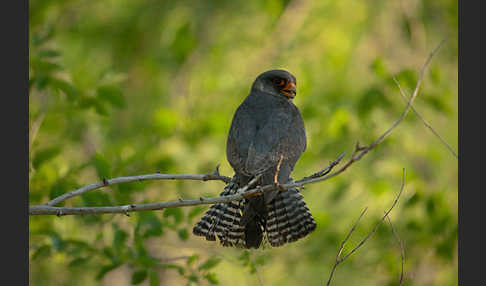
(279, 81)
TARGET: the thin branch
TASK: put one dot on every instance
(215, 176)
(324, 171)
(402, 250)
(425, 122)
(340, 259)
(38, 121)
(242, 193)
(35, 128)
(341, 248)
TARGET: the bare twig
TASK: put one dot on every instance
(341, 248)
(339, 258)
(35, 128)
(402, 250)
(324, 171)
(425, 122)
(108, 182)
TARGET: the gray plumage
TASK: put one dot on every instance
(266, 127)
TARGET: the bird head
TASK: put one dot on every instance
(276, 82)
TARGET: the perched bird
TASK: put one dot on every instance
(265, 140)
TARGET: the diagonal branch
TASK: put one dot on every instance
(402, 250)
(425, 122)
(341, 248)
(340, 259)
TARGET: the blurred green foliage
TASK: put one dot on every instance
(128, 87)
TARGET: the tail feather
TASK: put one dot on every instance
(288, 219)
(223, 221)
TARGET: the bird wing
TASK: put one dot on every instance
(282, 134)
(240, 136)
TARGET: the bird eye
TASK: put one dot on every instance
(278, 81)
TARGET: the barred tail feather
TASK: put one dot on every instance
(223, 221)
(289, 218)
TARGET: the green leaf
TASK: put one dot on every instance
(407, 79)
(435, 74)
(194, 212)
(139, 276)
(193, 278)
(154, 278)
(244, 257)
(86, 102)
(42, 252)
(108, 252)
(210, 263)
(406, 28)
(211, 277)
(44, 67)
(59, 188)
(112, 95)
(63, 86)
(176, 213)
(372, 98)
(75, 247)
(96, 199)
(445, 248)
(100, 108)
(438, 103)
(165, 120)
(43, 156)
(57, 241)
(48, 54)
(102, 166)
(180, 269)
(80, 261)
(183, 234)
(105, 269)
(379, 68)
(40, 81)
(148, 225)
(41, 38)
(184, 42)
(119, 238)
(414, 199)
(192, 258)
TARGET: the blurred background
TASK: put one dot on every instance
(128, 87)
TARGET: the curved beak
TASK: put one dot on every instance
(289, 90)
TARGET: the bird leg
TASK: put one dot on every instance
(275, 178)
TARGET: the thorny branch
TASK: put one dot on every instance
(359, 152)
(339, 258)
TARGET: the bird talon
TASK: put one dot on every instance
(260, 189)
(279, 186)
